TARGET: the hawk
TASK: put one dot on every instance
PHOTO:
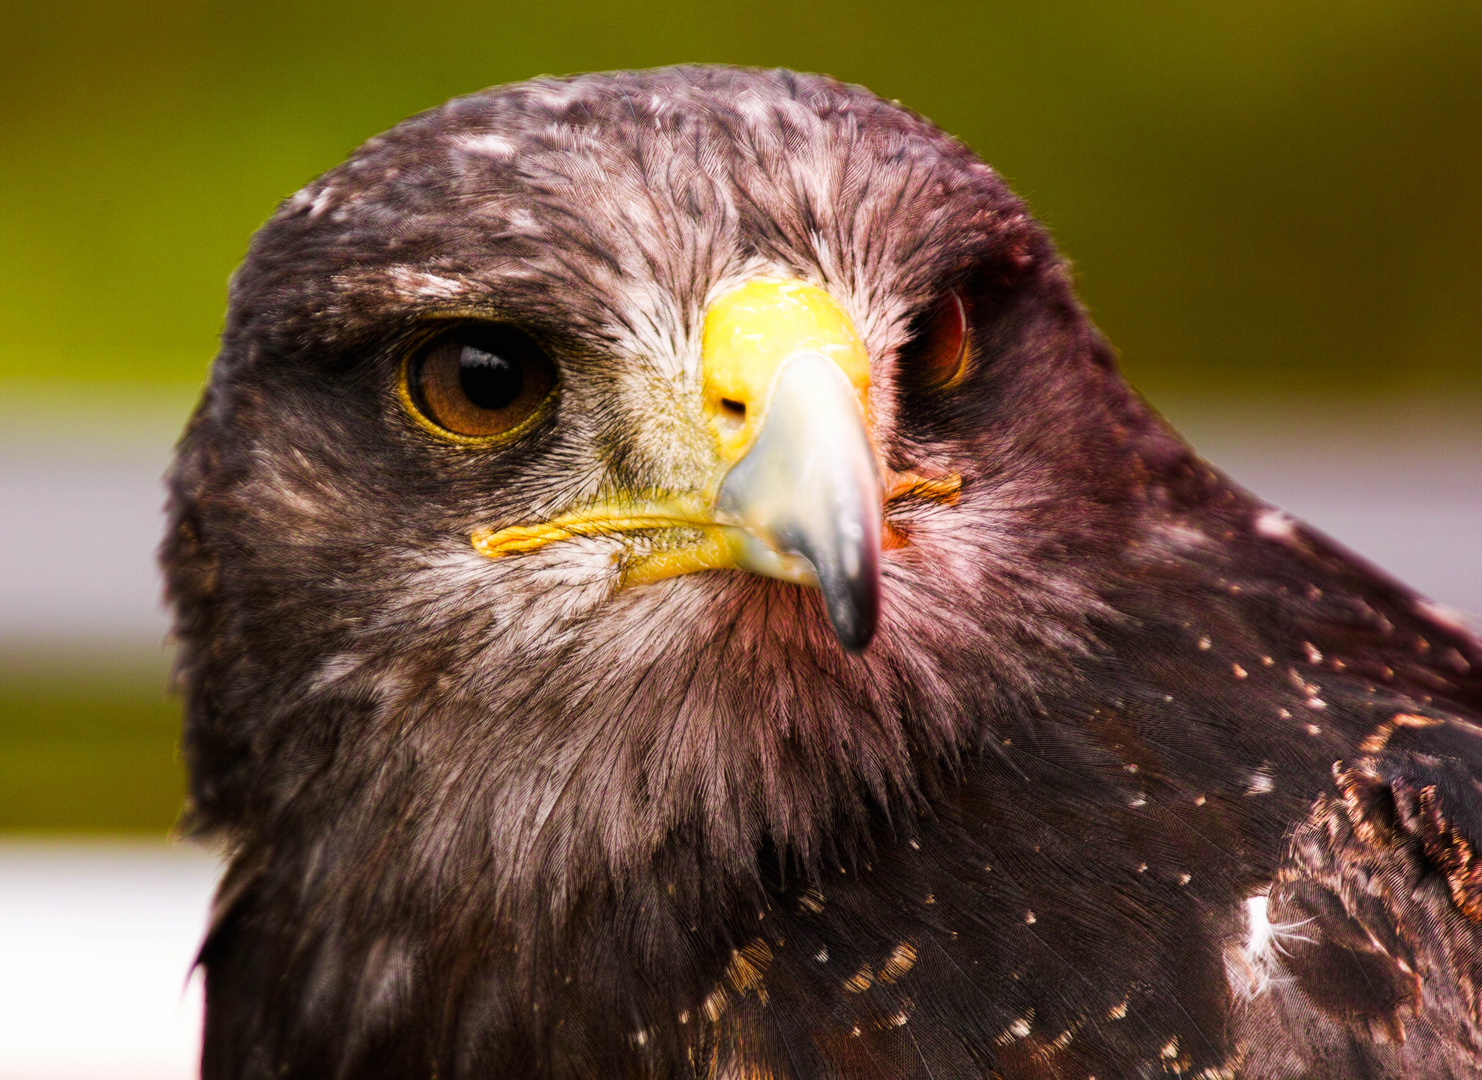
(671, 583)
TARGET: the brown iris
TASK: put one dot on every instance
(939, 350)
(479, 381)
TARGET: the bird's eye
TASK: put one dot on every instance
(938, 352)
(479, 381)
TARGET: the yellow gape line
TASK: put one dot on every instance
(600, 519)
(712, 551)
(937, 489)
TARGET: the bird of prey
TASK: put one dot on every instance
(671, 583)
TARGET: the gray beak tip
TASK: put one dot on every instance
(853, 611)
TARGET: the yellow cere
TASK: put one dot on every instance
(750, 331)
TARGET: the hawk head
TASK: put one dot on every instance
(634, 469)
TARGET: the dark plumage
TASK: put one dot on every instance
(1136, 777)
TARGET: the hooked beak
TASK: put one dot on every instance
(806, 495)
(796, 490)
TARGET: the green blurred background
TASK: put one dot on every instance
(1269, 201)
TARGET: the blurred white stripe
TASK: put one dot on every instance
(77, 550)
(96, 945)
(1401, 485)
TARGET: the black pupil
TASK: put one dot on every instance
(491, 381)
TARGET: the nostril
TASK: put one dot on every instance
(735, 408)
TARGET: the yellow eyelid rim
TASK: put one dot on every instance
(409, 403)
